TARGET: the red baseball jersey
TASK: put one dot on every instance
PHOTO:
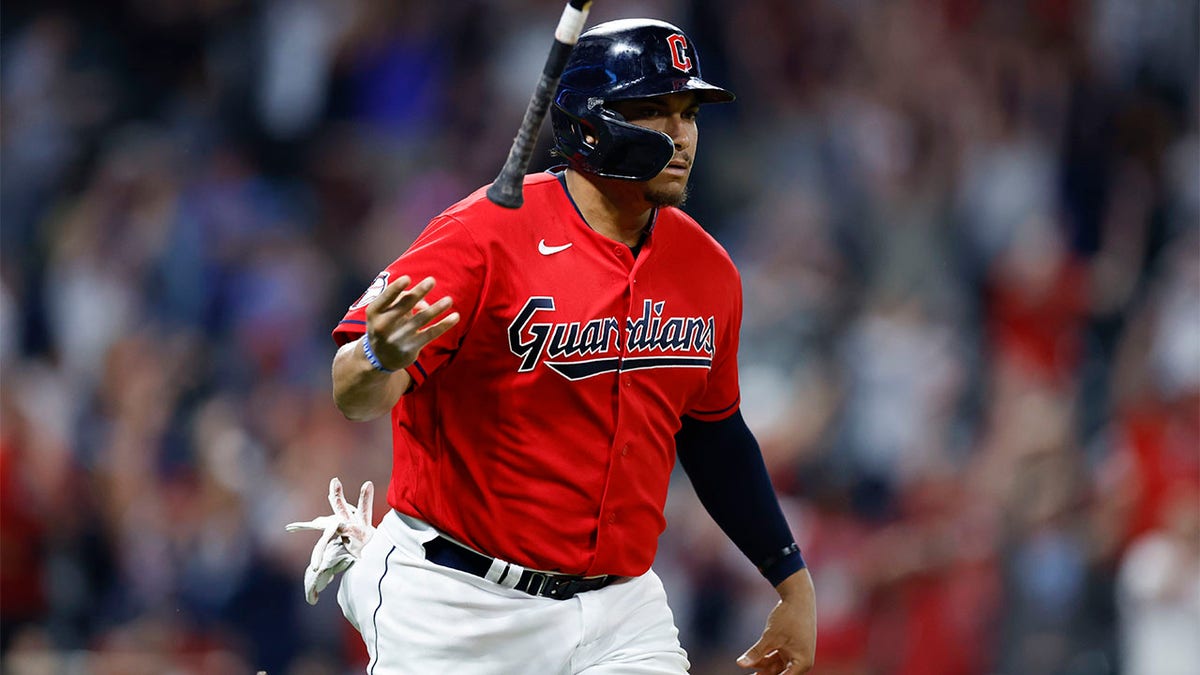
(540, 429)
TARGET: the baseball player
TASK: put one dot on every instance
(543, 368)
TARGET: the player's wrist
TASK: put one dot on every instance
(782, 564)
(372, 357)
(797, 586)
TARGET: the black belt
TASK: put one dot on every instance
(543, 584)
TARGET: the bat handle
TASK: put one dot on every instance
(507, 189)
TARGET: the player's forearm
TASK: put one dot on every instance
(361, 391)
(726, 468)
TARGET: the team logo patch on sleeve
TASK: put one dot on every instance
(372, 291)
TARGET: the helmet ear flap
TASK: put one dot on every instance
(598, 140)
(631, 152)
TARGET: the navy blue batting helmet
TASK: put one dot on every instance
(618, 61)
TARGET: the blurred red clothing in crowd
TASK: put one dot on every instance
(1036, 319)
(1159, 453)
(21, 534)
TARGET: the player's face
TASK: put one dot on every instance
(675, 116)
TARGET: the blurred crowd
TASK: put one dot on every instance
(969, 233)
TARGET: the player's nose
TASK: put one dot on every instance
(680, 131)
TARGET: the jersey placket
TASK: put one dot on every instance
(609, 523)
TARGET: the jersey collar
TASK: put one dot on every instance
(559, 171)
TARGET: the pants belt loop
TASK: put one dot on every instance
(514, 575)
(496, 571)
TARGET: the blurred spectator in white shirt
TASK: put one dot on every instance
(1158, 593)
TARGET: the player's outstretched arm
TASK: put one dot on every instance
(399, 325)
(788, 644)
(726, 468)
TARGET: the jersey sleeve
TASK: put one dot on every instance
(722, 394)
(445, 251)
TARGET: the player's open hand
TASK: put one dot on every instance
(788, 645)
(400, 322)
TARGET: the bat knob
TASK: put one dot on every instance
(508, 196)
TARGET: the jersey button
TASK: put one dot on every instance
(628, 381)
(625, 450)
(612, 518)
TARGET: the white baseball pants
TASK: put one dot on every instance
(419, 617)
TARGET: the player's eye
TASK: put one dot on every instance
(691, 113)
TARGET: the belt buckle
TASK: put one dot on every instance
(561, 586)
(558, 588)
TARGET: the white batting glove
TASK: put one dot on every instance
(343, 536)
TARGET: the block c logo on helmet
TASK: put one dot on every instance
(679, 57)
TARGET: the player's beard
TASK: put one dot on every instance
(668, 195)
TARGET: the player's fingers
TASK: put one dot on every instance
(758, 656)
(777, 664)
(435, 331)
(405, 302)
(318, 554)
(431, 312)
(784, 668)
(772, 666)
(389, 294)
(307, 525)
(366, 502)
(337, 499)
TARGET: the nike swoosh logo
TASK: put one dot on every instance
(551, 250)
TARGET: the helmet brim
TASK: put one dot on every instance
(705, 92)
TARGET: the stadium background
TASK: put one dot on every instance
(968, 231)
